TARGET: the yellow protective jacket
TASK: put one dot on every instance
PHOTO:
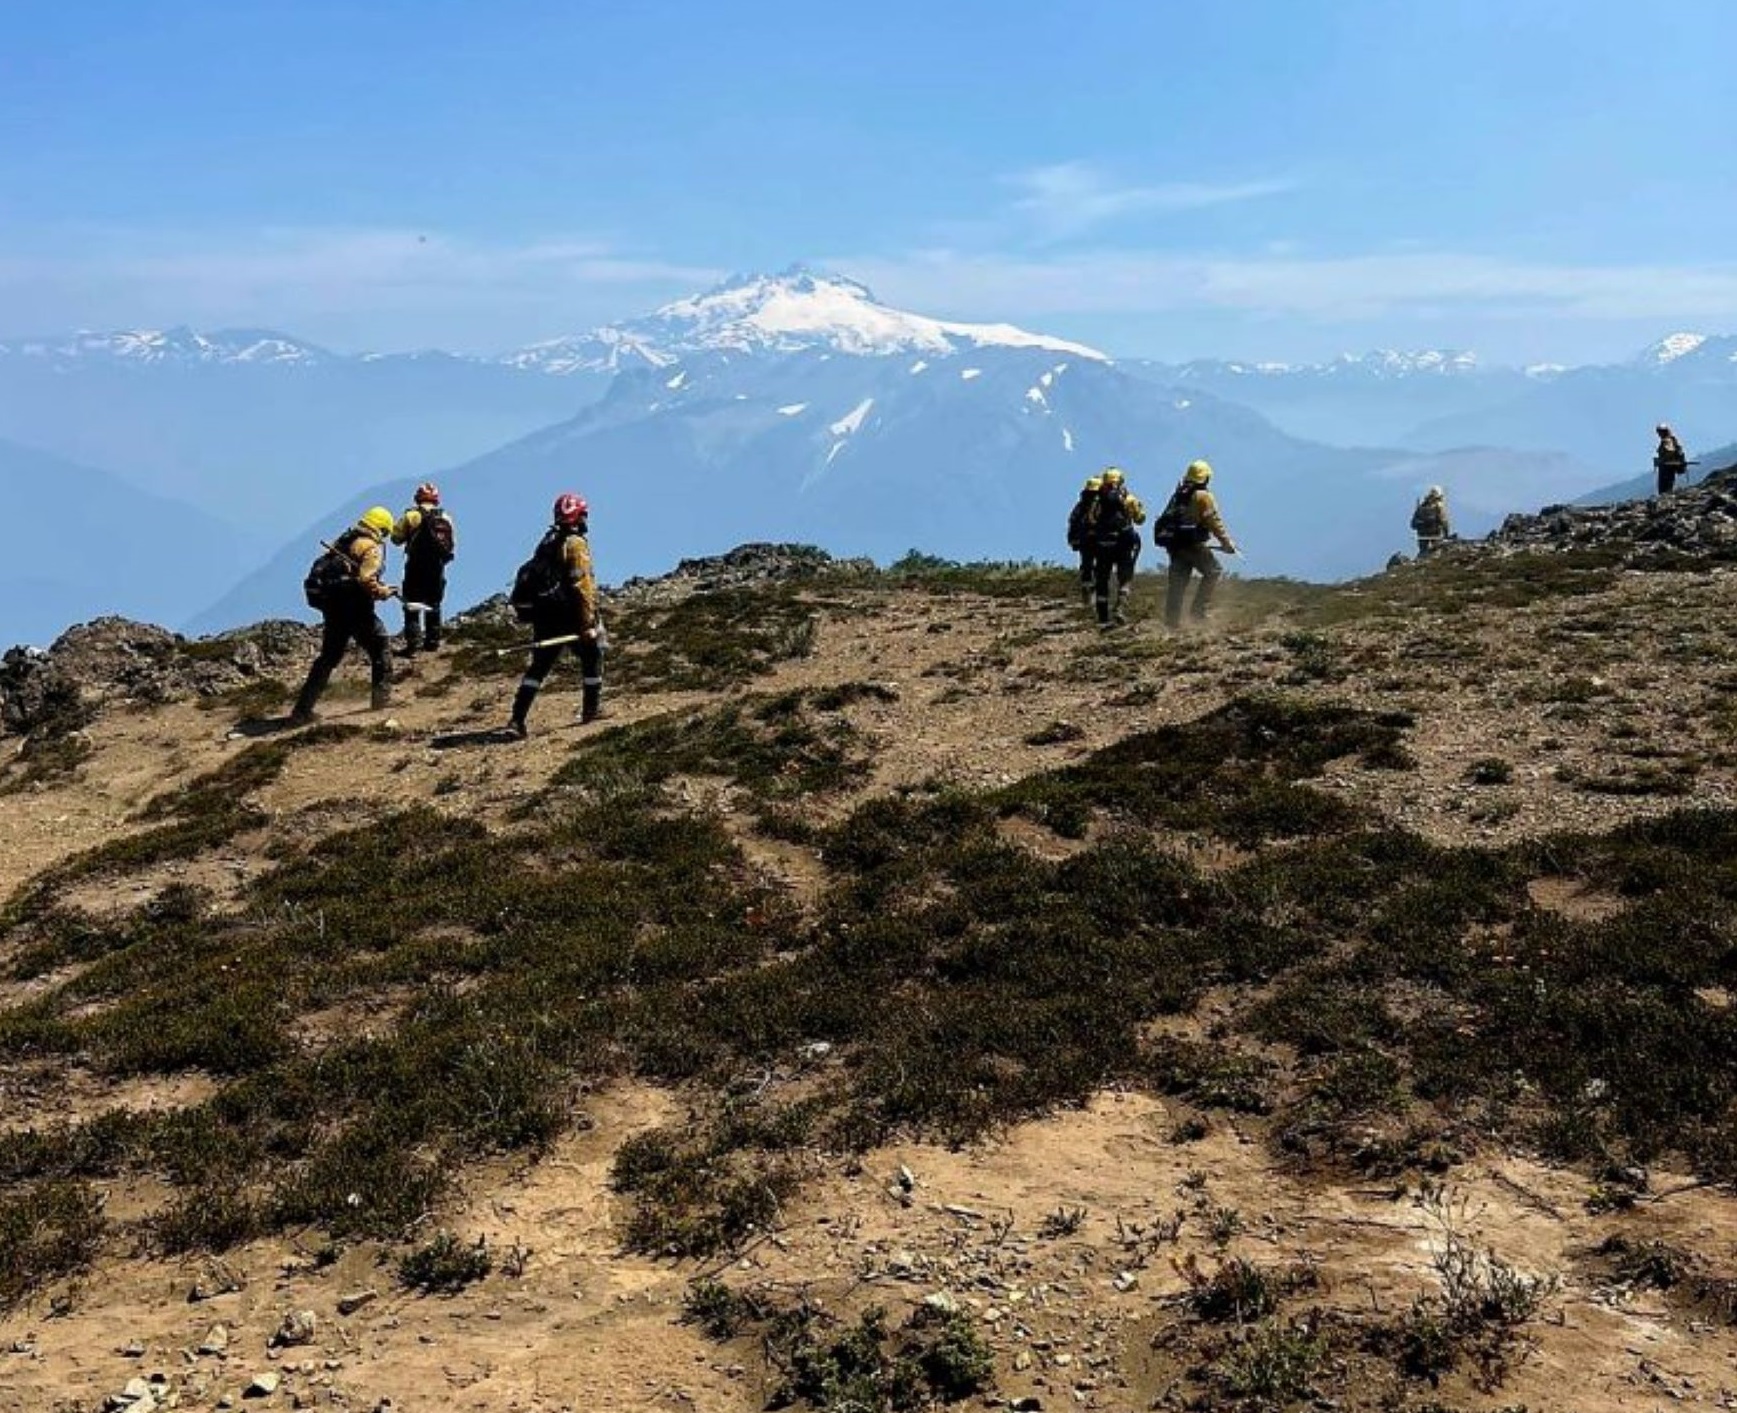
(1205, 513)
(368, 551)
(576, 560)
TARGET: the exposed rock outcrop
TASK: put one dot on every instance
(117, 660)
(741, 568)
(1698, 521)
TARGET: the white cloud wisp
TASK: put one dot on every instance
(1067, 199)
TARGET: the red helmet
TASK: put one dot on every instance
(570, 509)
(428, 494)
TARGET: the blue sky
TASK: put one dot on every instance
(1276, 178)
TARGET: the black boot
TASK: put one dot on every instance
(590, 704)
(522, 700)
(303, 712)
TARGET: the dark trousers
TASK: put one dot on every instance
(1185, 562)
(1668, 478)
(357, 623)
(1428, 545)
(1088, 568)
(543, 661)
(425, 586)
(1113, 560)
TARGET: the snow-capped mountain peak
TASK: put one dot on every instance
(1400, 363)
(1381, 363)
(605, 350)
(1672, 347)
(177, 345)
(799, 310)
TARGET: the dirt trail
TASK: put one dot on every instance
(1071, 1317)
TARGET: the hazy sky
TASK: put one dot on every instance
(1536, 179)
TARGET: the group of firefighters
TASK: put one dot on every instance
(1103, 528)
(556, 593)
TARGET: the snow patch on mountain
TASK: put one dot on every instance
(852, 421)
(793, 409)
(171, 346)
(605, 350)
(967, 374)
(1672, 347)
(1382, 364)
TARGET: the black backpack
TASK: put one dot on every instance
(1110, 517)
(433, 537)
(1079, 520)
(1176, 524)
(542, 579)
(331, 576)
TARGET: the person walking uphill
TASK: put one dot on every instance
(1670, 460)
(1189, 520)
(345, 584)
(1115, 543)
(1080, 536)
(429, 539)
(556, 593)
(1429, 522)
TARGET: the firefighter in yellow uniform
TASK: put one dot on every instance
(429, 540)
(563, 608)
(1112, 531)
(350, 614)
(1188, 521)
(1429, 522)
(1080, 538)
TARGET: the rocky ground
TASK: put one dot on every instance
(1148, 1239)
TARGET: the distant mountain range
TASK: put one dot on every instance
(798, 406)
(261, 428)
(1605, 415)
(76, 543)
(1356, 399)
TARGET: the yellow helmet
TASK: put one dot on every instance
(1197, 474)
(1092, 483)
(378, 519)
(1112, 476)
